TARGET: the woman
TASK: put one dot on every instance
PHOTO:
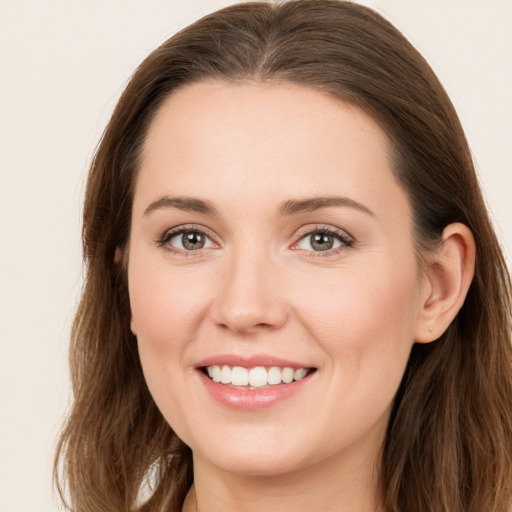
(294, 295)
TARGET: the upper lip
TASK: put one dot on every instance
(250, 361)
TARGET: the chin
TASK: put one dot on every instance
(262, 467)
(253, 459)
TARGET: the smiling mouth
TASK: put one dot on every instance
(258, 377)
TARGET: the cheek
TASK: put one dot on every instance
(363, 317)
(364, 323)
(166, 304)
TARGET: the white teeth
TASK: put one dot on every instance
(274, 375)
(300, 373)
(256, 377)
(239, 376)
(216, 373)
(225, 375)
(287, 375)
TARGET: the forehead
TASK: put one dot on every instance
(274, 140)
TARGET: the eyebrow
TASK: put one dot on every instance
(188, 204)
(290, 207)
(293, 207)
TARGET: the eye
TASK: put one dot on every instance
(186, 240)
(322, 240)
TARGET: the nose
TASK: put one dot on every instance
(250, 295)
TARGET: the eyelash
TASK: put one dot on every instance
(346, 241)
(167, 236)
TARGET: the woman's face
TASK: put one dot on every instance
(269, 242)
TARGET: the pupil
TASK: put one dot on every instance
(193, 240)
(322, 242)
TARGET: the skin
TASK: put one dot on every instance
(258, 287)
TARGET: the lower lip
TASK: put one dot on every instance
(252, 399)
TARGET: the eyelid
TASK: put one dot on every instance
(168, 234)
(347, 240)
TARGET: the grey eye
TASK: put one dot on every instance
(319, 241)
(190, 240)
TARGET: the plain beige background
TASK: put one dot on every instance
(62, 66)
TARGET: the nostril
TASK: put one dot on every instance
(244, 303)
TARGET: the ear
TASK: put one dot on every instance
(118, 255)
(448, 275)
(133, 327)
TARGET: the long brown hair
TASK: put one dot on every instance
(449, 442)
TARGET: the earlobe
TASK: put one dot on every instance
(133, 327)
(118, 254)
(449, 272)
